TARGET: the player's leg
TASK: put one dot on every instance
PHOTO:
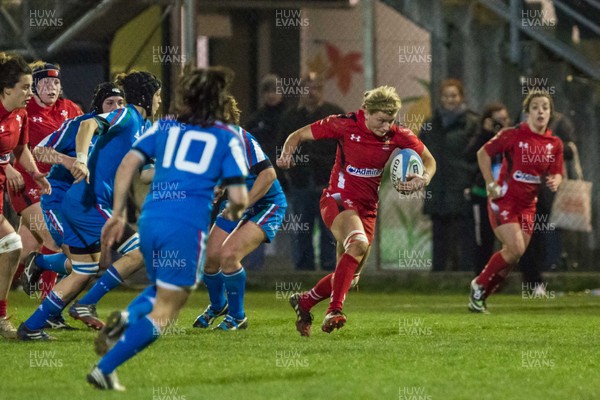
(173, 286)
(85, 267)
(213, 276)
(138, 335)
(131, 261)
(327, 245)
(10, 251)
(514, 242)
(348, 229)
(33, 219)
(243, 240)
(38, 262)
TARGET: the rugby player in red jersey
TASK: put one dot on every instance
(532, 157)
(366, 139)
(15, 92)
(46, 112)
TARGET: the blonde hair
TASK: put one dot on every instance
(384, 99)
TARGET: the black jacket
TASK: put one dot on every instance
(454, 171)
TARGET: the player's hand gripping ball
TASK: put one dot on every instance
(404, 165)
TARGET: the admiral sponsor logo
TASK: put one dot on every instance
(364, 172)
(521, 176)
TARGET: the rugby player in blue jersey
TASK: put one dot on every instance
(232, 240)
(58, 149)
(87, 204)
(195, 151)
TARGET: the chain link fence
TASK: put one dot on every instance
(407, 45)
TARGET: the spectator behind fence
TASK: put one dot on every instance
(495, 117)
(545, 249)
(311, 173)
(263, 125)
(447, 135)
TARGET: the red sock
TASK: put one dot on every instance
(322, 290)
(3, 305)
(48, 277)
(342, 279)
(493, 273)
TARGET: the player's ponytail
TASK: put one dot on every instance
(12, 67)
(203, 94)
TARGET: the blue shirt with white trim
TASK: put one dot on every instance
(190, 161)
(124, 127)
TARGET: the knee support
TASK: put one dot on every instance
(10, 242)
(355, 236)
(131, 243)
(85, 267)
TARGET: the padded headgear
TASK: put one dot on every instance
(44, 71)
(140, 87)
(102, 92)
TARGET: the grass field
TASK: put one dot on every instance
(402, 346)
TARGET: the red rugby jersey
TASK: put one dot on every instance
(13, 131)
(45, 120)
(361, 155)
(528, 158)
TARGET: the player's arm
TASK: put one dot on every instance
(494, 190)
(24, 157)
(498, 144)
(147, 175)
(238, 201)
(48, 155)
(291, 143)
(417, 182)
(79, 170)
(14, 179)
(262, 183)
(556, 170)
(114, 227)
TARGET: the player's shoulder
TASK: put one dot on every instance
(21, 112)
(339, 120)
(400, 132)
(68, 105)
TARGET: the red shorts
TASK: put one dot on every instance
(332, 205)
(29, 195)
(504, 211)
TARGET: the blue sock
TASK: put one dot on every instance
(136, 338)
(51, 306)
(215, 284)
(52, 262)
(110, 280)
(236, 288)
(142, 305)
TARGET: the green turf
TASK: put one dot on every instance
(399, 346)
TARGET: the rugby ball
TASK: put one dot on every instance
(406, 162)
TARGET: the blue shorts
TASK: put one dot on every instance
(268, 217)
(51, 208)
(54, 223)
(83, 225)
(174, 253)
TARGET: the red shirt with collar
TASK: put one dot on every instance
(361, 155)
(528, 158)
(45, 120)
